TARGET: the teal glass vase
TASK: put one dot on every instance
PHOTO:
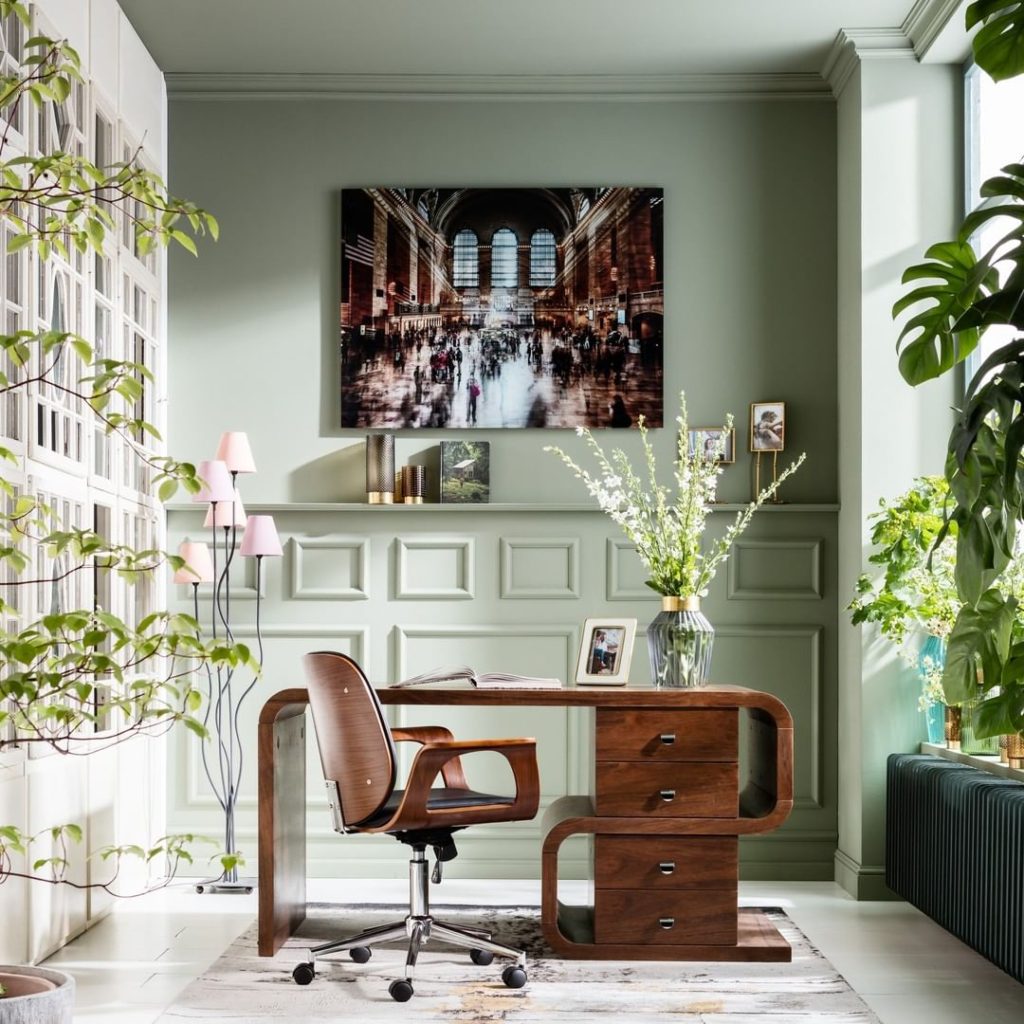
(933, 655)
(679, 642)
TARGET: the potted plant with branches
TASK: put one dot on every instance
(914, 600)
(81, 679)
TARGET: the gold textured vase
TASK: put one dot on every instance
(1015, 750)
(953, 722)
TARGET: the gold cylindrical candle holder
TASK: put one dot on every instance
(380, 469)
(953, 721)
(1015, 750)
(414, 484)
(1004, 757)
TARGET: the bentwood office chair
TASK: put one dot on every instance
(357, 751)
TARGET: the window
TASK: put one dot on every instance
(993, 140)
(504, 259)
(542, 259)
(466, 269)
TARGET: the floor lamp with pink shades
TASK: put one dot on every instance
(223, 754)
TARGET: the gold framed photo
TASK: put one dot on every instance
(707, 439)
(606, 652)
(767, 426)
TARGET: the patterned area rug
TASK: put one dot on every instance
(244, 988)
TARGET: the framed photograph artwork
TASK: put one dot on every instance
(707, 440)
(606, 652)
(465, 472)
(767, 426)
(501, 307)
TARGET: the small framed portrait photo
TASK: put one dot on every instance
(606, 652)
(767, 426)
(709, 441)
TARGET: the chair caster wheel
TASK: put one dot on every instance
(304, 974)
(481, 957)
(360, 954)
(200, 889)
(514, 976)
(400, 990)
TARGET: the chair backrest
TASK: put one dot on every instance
(356, 749)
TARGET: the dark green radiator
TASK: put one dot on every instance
(955, 849)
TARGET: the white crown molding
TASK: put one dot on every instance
(854, 45)
(926, 21)
(231, 86)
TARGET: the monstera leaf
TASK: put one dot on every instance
(931, 340)
(999, 44)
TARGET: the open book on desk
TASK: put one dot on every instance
(483, 680)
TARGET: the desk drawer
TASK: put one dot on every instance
(677, 789)
(635, 734)
(676, 918)
(660, 863)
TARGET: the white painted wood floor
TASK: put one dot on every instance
(132, 965)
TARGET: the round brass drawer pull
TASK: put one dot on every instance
(666, 867)
(668, 738)
(667, 922)
(667, 795)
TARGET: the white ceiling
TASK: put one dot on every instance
(506, 37)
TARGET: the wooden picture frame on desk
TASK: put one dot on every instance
(671, 745)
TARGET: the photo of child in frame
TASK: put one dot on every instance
(605, 647)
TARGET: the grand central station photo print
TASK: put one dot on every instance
(501, 307)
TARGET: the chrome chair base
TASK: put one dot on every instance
(418, 927)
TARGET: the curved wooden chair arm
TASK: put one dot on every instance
(452, 772)
(412, 813)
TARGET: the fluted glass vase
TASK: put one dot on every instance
(679, 642)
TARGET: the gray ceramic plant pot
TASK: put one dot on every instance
(36, 995)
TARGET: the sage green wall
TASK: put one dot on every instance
(749, 256)
(750, 314)
(900, 154)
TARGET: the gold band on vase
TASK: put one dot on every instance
(380, 498)
(680, 604)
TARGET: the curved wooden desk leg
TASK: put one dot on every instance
(281, 745)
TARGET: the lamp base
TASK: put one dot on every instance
(216, 886)
(380, 497)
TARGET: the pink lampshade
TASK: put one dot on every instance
(227, 514)
(199, 565)
(235, 452)
(261, 538)
(216, 482)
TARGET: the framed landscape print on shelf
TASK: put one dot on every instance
(501, 307)
(465, 472)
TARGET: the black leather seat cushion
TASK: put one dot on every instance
(440, 800)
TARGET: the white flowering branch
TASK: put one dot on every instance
(668, 531)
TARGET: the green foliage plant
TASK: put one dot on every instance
(958, 295)
(81, 680)
(915, 593)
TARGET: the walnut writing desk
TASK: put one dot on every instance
(668, 809)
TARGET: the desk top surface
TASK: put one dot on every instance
(712, 696)
(286, 703)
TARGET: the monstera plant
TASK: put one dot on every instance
(958, 295)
